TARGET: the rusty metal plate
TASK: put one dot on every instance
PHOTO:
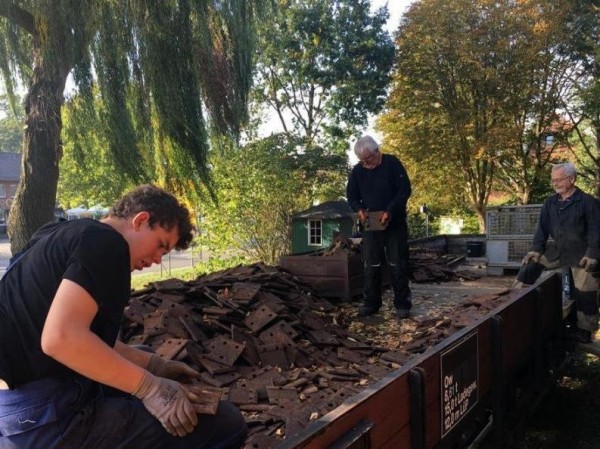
(208, 398)
(195, 352)
(313, 322)
(272, 301)
(280, 395)
(243, 396)
(323, 338)
(344, 372)
(171, 347)
(259, 377)
(395, 357)
(294, 424)
(348, 355)
(224, 350)
(169, 297)
(244, 291)
(259, 318)
(215, 310)
(175, 309)
(214, 367)
(354, 344)
(273, 355)
(174, 327)
(154, 324)
(137, 309)
(220, 380)
(250, 354)
(194, 331)
(169, 284)
(262, 441)
(280, 333)
(375, 371)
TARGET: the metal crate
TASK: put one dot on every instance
(510, 231)
(511, 222)
(507, 253)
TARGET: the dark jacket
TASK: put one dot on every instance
(383, 188)
(574, 225)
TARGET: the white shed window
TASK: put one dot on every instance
(2, 191)
(315, 232)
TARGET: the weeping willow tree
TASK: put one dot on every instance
(166, 73)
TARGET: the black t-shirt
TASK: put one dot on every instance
(87, 252)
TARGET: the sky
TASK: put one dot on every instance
(396, 9)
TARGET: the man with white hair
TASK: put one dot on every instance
(572, 219)
(379, 183)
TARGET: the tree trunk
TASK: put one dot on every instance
(35, 200)
(597, 177)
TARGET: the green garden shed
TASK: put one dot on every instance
(315, 228)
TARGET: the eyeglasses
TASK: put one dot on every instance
(558, 180)
(369, 160)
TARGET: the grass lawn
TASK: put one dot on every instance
(139, 281)
(569, 416)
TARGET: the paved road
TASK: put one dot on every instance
(173, 260)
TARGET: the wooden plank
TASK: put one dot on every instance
(383, 403)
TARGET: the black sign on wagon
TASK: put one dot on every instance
(459, 375)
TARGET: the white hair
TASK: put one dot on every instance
(365, 145)
(568, 168)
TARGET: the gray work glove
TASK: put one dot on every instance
(170, 368)
(531, 256)
(588, 263)
(168, 402)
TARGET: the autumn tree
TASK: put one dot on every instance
(323, 66)
(475, 90)
(165, 71)
(582, 106)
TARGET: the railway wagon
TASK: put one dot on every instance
(481, 383)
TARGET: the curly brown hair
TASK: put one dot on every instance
(164, 209)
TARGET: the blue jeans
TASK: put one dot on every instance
(76, 413)
(390, 244)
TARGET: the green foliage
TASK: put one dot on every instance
(583, 111)
(258, 188)
(163, 74)
(11, 128)
(323, 66)
(88, 177)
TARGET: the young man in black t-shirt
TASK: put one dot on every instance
(61, 305)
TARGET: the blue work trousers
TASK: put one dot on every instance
(76, 413)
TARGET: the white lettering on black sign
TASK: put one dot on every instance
(459, 374)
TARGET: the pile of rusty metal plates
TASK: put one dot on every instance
(267, 343)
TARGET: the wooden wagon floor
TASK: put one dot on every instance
(568, 416)
(431, 303)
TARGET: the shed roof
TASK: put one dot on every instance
(329, 209)
(10, 166)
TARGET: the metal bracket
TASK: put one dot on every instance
(359, 437)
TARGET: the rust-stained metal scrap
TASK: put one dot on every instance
(269, 344)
